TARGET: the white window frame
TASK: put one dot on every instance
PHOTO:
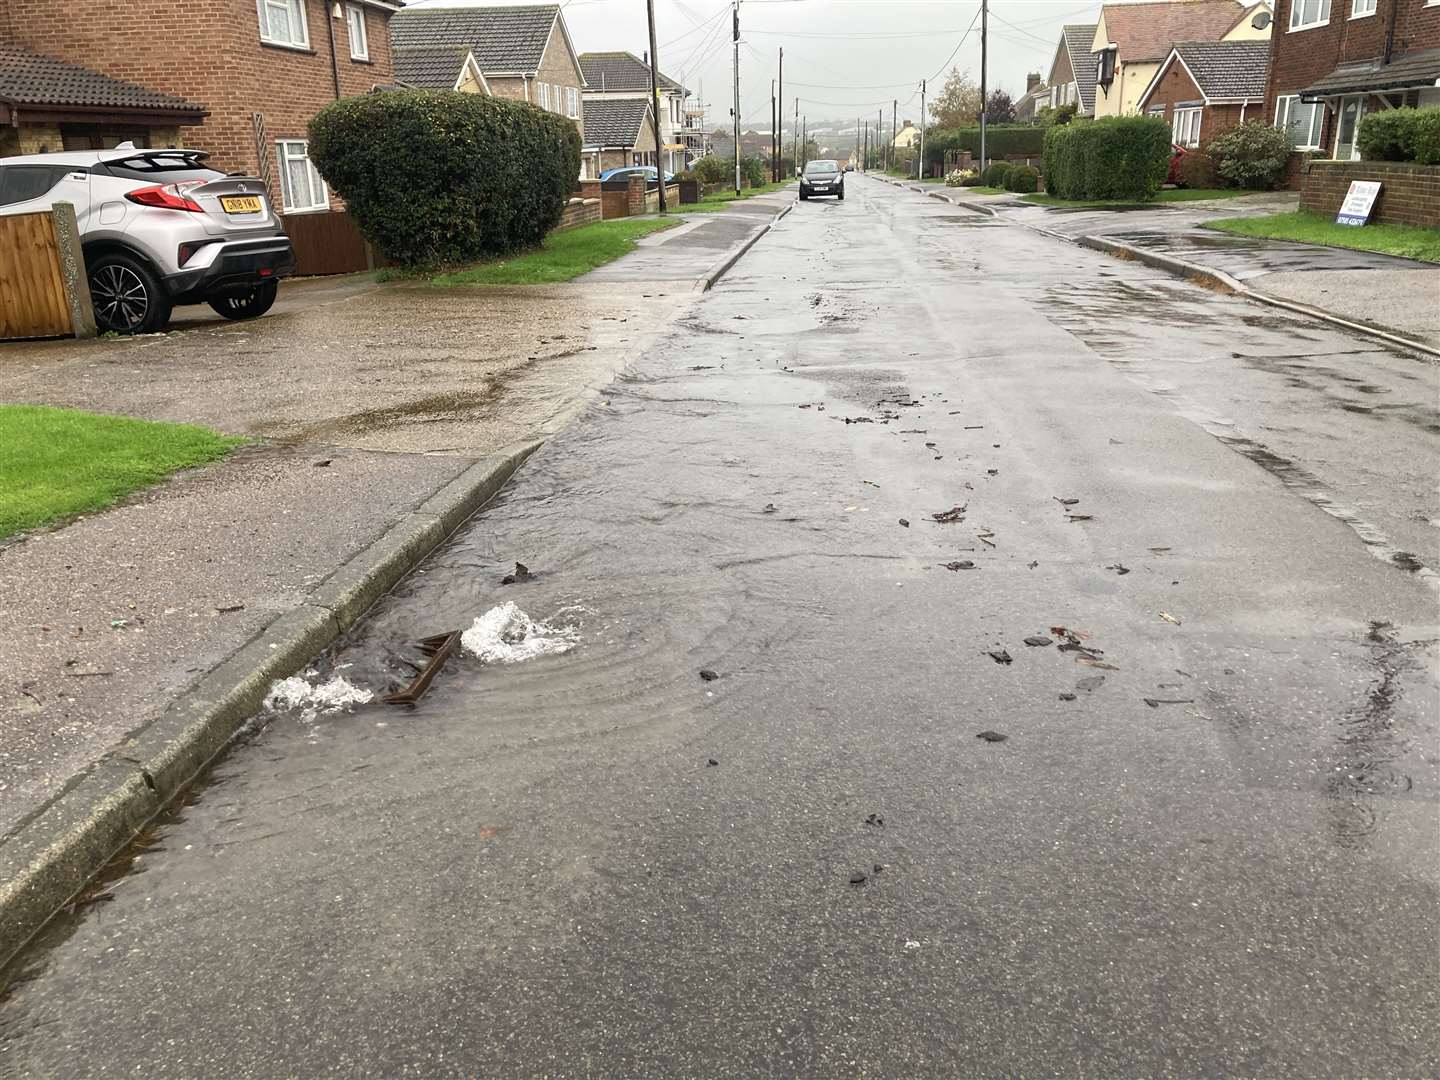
(1297, 14)
(1360, 9)
(286, 153)
(299, 20)
(572, 102)
(1286, 104)
(359, 42)
(544, 95)
(1185, 125)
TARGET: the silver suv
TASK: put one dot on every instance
(158, 229)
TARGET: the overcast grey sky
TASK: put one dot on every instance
(843, 58)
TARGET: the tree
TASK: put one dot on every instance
(1000, 109)
(958, 103)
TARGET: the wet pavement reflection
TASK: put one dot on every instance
(908, 677)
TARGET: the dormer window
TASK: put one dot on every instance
(1105, 68)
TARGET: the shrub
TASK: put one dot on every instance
(996, 173)
(1023, 179)
(436, 177)
(1001, 140)
(715, 170)
(752, 171)
(1401, 135)
(957, 177)
(1251, 155)
(1119, 157)
(1197, 170)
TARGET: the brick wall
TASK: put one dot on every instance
(209, 52)
(580, 212)
(1409, 194)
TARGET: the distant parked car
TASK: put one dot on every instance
(822, 177)
(649, 172)
(849, 168)
(158, 229)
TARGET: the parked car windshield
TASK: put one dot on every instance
(162, 168)
(821, 168)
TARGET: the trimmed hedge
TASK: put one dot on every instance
(1401, 135)
(1001, 140)
(1023, 179)
(1119, 157)
(996, 173)
(438, 177)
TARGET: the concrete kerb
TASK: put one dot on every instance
(53, 853)
(1217, 279)
(707, 281)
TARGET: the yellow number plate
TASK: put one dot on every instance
(241, 204)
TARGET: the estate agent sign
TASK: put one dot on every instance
(1359, 202)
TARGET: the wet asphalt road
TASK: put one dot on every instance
(538, 872)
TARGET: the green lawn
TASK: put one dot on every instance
(57, 462)
(980, 189)
(1166, 195)
(1306, 227)
(718, 200)
(564, 255)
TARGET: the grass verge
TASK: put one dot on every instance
(718, 200)
(1306, 227)
(980, 189)
(57, 462)
(564, 255)
(1166, 195)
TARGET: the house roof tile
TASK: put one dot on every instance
(504, 39)
(1228, 70)
(1417, 69)
(612, 122)
(619, 71)
(27, 78)
(430, 67)
(1078, 39)
(1148, 31)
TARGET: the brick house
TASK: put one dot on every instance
(1072, 72)
(1336, 60)
(1132, 40)
(621, 75)
(523, 53)
(48, 105)
(261, 69)
(439, 67)
(618, 132)
(1206, 87)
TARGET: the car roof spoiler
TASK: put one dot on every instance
(128, 151)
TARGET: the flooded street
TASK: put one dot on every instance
(947, 652)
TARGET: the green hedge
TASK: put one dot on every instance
(435, 177)
(1119, 157)
(1401, 135)
(1001, 140)
(1023, 179)
(996, 173)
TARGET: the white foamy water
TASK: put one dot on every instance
(506, 635)
(312, 699)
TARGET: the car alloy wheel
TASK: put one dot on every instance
(120, 297)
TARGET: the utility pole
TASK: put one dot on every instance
(924, 119)
(797, 137)
(861, 163)
(779, 105)
(774, 134)
(894, 134)
(655, 103)
(804, 140)
(880, 137)
(984, 33)
(735, 40)
(865, 153)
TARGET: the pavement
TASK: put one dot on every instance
(1393, 294)
(365, 400)
(772, 790)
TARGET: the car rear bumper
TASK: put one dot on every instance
(829, 189)
(238, 268)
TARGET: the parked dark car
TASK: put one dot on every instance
(649, 172)
(822, 177)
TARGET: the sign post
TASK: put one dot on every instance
(1359, 202)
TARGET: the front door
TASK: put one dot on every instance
(1352, 111)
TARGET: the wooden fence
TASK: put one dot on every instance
(329, 243)
(43, 288)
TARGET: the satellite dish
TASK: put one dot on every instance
(1261, 21)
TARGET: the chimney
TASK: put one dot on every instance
(1032, 81)
(909, 123)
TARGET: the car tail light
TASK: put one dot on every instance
(188, 249)
(166, 196)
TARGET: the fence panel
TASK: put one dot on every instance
(34, 302)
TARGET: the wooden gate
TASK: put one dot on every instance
(43, 289)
